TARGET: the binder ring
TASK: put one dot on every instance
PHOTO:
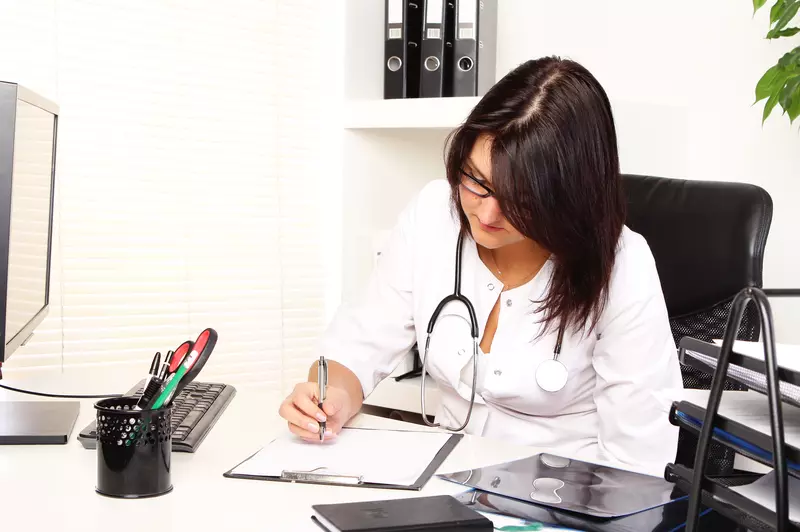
(394, 63)
(465, 64)
(432, 63)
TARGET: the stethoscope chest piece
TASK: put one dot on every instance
(551, 375)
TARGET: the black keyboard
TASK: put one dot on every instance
(194, 411)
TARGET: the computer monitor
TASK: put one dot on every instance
(28, 126)
(28, 132)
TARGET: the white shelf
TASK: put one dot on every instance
(417, 113)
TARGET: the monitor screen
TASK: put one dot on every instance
(29, 232)
(28, 131)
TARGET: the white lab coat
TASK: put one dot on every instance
(614, 406)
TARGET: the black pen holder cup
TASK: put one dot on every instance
(134, 449)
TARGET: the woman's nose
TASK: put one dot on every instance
(489, 211)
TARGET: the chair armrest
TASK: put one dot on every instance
(782, 292)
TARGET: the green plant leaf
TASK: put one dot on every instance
(775, 12)
(768, 107)
(758, 4)
(764, 85)
(790, 59)
(788, 13)
(787, 32)
(790, 92)
(794, 110)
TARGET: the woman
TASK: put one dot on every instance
(533, 186)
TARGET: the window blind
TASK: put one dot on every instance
(190, 161)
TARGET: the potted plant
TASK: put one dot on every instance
(780, 85)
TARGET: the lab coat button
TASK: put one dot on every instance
(460, 351)
(490, 286)
(498, 372)
(508, 302)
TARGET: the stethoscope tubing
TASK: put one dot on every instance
(457, 296)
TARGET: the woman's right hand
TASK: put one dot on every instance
(303, 414)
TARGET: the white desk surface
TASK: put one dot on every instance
(52, 487)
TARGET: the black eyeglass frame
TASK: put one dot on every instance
(488, 191)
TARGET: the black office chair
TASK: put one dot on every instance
(708, 241)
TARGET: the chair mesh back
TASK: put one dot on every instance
(709, 325)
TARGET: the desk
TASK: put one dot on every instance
(52, 487)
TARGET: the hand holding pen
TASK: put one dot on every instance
(316, 410)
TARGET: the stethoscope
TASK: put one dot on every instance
(551, 374)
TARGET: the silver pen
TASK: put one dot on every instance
(322, 381)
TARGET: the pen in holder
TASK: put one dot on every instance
(134, 449)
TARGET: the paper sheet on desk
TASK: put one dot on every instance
(788, 355)
(762, 491)
(379, 456)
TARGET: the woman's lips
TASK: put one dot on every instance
(489, 228)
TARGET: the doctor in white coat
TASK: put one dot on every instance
(573, 347)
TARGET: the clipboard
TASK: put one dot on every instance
(331, 479)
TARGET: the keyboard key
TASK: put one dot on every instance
(191, 420)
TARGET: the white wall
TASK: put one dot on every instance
(684, 71)
(193, 179)
(681, 77)
(690, 69)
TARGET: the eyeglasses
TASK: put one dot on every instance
(472, 184)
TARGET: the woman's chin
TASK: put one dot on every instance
(489, 240)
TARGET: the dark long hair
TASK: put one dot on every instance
(555, 173)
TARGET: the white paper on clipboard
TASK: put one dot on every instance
(378, 456)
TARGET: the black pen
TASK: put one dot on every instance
(152, 384)
(168, 360)
(322, 381)
(155, 364)
(162, 374)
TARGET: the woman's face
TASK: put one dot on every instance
(489, 227)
